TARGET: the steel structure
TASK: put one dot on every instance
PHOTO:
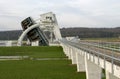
(34, 30)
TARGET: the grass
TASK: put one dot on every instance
(37, 69)
(50, 69)
(39, 52)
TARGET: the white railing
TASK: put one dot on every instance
(114, 60)
(75, 51)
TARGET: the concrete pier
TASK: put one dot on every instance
(92, 70)
(80, 63)
(73, 56)
(110, 76)
(91, 63)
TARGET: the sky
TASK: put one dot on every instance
(69, 13)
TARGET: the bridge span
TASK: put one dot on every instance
(89, 57)
(93, 59)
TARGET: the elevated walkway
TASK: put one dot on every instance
(92, 60)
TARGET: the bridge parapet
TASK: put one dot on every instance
(85, 56)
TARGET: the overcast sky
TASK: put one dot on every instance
(69, 13)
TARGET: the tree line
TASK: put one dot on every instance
(69, 32)
(91, 32)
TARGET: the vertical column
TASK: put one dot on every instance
(68, 53)
(93, 71)
(110, 76)
(65, 50)
(80, 62)
(73, 56)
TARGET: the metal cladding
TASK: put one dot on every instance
(27, 23)
(34, 34)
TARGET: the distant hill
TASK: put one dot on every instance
(91, 32)
(10, 35)
(81, 32)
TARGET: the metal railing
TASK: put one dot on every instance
(114, 46)
(85, 47)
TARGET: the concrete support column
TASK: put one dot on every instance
(73, 56)
(93, 71)
(110, 76)
(65, 50)
(69, 53)
(80, 62)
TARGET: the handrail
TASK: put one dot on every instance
(76, 45)
(98, 44)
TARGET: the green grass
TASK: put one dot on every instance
(37, 69)
(50, 69)
(103, 71)
(39, 52)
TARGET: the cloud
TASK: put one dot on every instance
(72, 20)
(70, 13)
